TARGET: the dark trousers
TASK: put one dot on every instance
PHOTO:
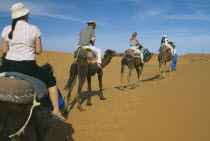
(29, 68)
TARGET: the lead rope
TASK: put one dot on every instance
(75, 60)
(35, 103)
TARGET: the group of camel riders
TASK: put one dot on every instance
(21, 41)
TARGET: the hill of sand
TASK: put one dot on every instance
(176, 108)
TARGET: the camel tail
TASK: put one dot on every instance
(72, 79)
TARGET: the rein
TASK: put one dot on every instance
(35, 103)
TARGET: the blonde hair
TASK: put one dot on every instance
(134, 34)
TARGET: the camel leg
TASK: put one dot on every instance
(139, 77)
(89, 91)
(129, 76)
(122, 73)
(140, 73)
(170, 68)
(100, 75)
(82, 74)
(164, 73)
(160, 70)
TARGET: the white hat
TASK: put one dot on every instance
(18, 10)
(164, 36)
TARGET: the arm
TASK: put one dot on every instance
(167, 40)
(38, 46)
(5, 46)
(138, 42)
(93, 37)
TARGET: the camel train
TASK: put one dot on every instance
(29, 107)
(83, 67)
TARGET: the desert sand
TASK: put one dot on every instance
(176, 108)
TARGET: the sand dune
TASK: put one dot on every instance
(176, 108)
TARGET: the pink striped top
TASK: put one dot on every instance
(22, 45)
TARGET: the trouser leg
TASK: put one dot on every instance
(98, 51)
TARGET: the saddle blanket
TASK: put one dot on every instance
(133, 53)
(20, 88)
(91, 54)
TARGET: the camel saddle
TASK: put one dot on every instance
(20, 89)
(85, 52)
(130, 53)
(164, 48)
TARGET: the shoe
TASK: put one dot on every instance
(58, 116)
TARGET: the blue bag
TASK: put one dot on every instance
(174, 61)
(61, 102)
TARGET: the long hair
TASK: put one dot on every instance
(134, 34)
(14, 21)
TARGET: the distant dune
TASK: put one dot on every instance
(176, 108)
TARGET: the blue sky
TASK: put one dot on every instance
(185, 22)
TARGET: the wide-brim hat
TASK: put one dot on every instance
(92, 22)
(19, 10)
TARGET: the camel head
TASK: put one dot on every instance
(149, 56)
(47, 67)
(110, 53)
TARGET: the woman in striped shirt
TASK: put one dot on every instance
(20, 42)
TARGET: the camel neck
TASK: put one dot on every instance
(106, 61)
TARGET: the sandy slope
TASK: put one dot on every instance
(173, 109)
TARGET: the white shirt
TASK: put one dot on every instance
(22, 45)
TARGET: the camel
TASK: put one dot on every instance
(13, 117)
(164, 57)
(133, 62)
(84, 70)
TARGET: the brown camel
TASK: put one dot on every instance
(41, 126)
(133, 62)
(163, 57)
(85, 70)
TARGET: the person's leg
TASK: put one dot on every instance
(141, 54)
(98, 51)
(169, 46)
(53, 94)
(50, 82)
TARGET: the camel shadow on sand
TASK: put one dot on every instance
(145, 80)
(84, 94)
(84, 97)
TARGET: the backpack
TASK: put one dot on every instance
(173, 45)
(163, 40)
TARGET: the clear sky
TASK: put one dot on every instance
(185, 22)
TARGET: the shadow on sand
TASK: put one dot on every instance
(145, 80)
(84, 97)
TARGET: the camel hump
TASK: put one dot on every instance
(129, 53)
(20, 90)
(84, 52)
(164, 48)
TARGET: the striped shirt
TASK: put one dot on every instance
(22, 45)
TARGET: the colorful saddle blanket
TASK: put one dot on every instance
(164, 48)
(132, 53)
(86, 53)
